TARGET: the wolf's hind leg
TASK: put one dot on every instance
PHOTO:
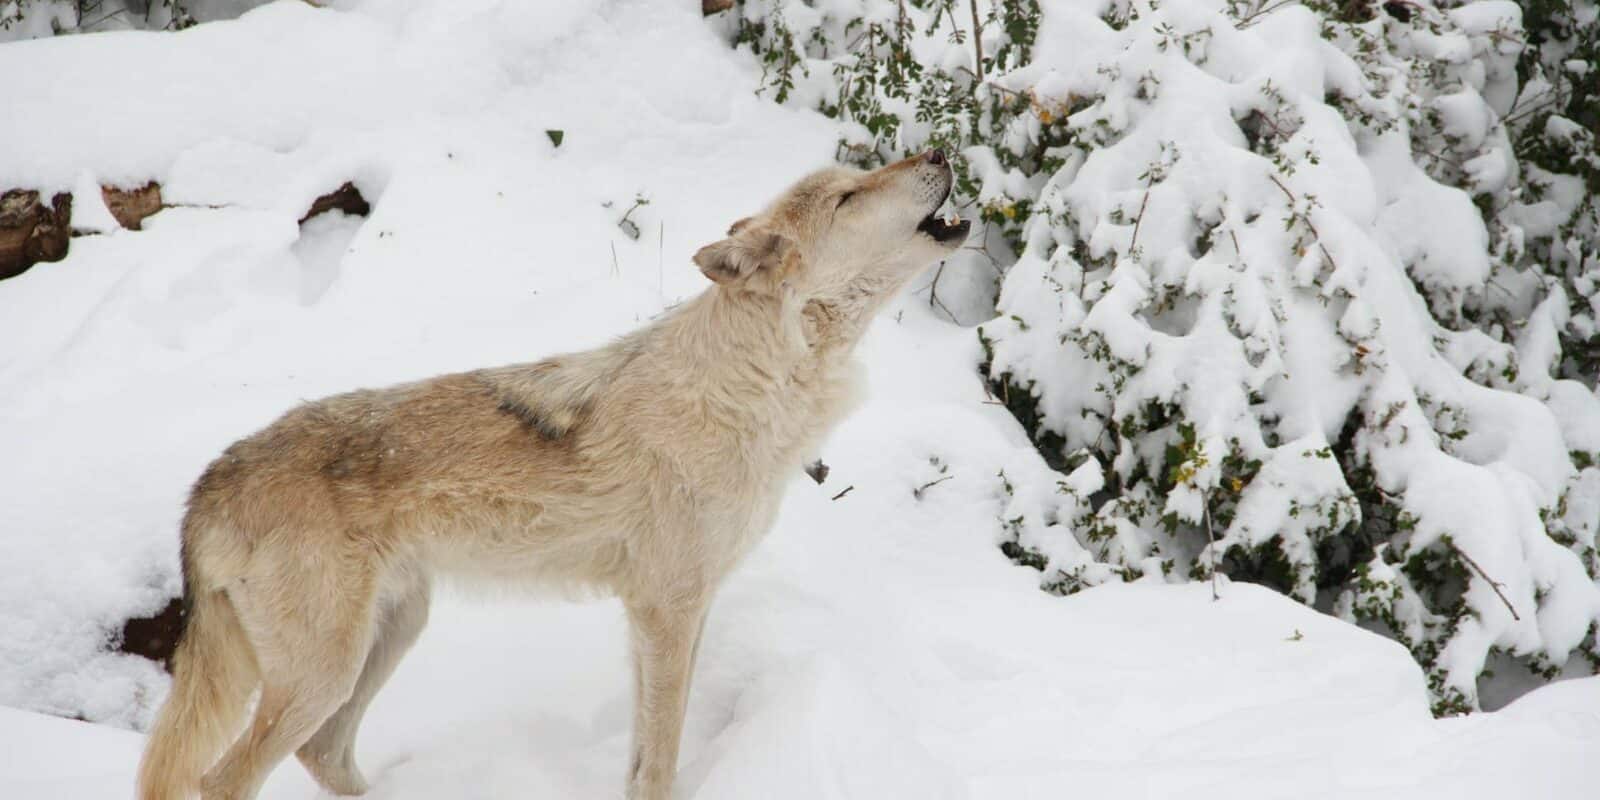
(311, 633)
(330, 753)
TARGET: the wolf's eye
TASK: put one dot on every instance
(845, 198)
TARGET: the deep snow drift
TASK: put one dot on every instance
(877, 645)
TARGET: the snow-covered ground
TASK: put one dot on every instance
(876, 645)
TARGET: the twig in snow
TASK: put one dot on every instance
(933, 294)
(1493, 284)
(1493, 584)
(1149, 179)
(1266, 9)
(1435, 156)
(982, 248)
(1205, 503)
(1232, 234)
(845, 492)
(1309, 224)
(1510, 118)
(994, 264)
(89, 26)
(615, 269)
(917, 492)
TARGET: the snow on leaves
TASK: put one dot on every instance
(1255, 302)
(1300, 290)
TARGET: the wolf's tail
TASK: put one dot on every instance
(213, 674)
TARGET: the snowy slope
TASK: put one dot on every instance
(877, 645)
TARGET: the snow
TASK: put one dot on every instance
(877, 644)
(1228, 250)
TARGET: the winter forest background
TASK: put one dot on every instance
(1290, 293)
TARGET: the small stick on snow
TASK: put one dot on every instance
(1205, 504)
(845, 492)
(1134, 242)
(917, 492)
(1492, 583)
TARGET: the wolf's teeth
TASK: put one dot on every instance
(952, 219)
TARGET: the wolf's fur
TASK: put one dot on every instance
(646, 468)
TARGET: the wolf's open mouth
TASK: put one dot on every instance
(944, 228)
(948, 229)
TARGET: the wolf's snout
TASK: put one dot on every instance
(935, 157)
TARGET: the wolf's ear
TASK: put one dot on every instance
(749, 248)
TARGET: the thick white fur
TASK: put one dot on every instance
(646, 468)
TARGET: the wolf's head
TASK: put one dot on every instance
(841, 237)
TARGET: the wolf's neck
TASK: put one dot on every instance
(743, 338)
(745, 360)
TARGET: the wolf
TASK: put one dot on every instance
(644, 469)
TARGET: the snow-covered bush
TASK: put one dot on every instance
(903, 76)
(31, 19)
(1305, 292)
(1554, 124)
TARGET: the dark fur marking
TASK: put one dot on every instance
(358, 454)
(547, 430)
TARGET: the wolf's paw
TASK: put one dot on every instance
(335, 772)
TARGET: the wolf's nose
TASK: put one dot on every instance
(934, 156)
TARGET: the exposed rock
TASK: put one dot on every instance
(346, 198)
(131, 206)
(30, 231)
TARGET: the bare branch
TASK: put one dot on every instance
(1493, 584)
(977, 39)
(1205, 503)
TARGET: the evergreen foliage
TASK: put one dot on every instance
(1304, 292)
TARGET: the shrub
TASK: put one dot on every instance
(1306, 293)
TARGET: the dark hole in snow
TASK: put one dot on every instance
(346, 198)
(154, 637)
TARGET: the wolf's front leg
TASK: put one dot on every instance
(665, 638)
